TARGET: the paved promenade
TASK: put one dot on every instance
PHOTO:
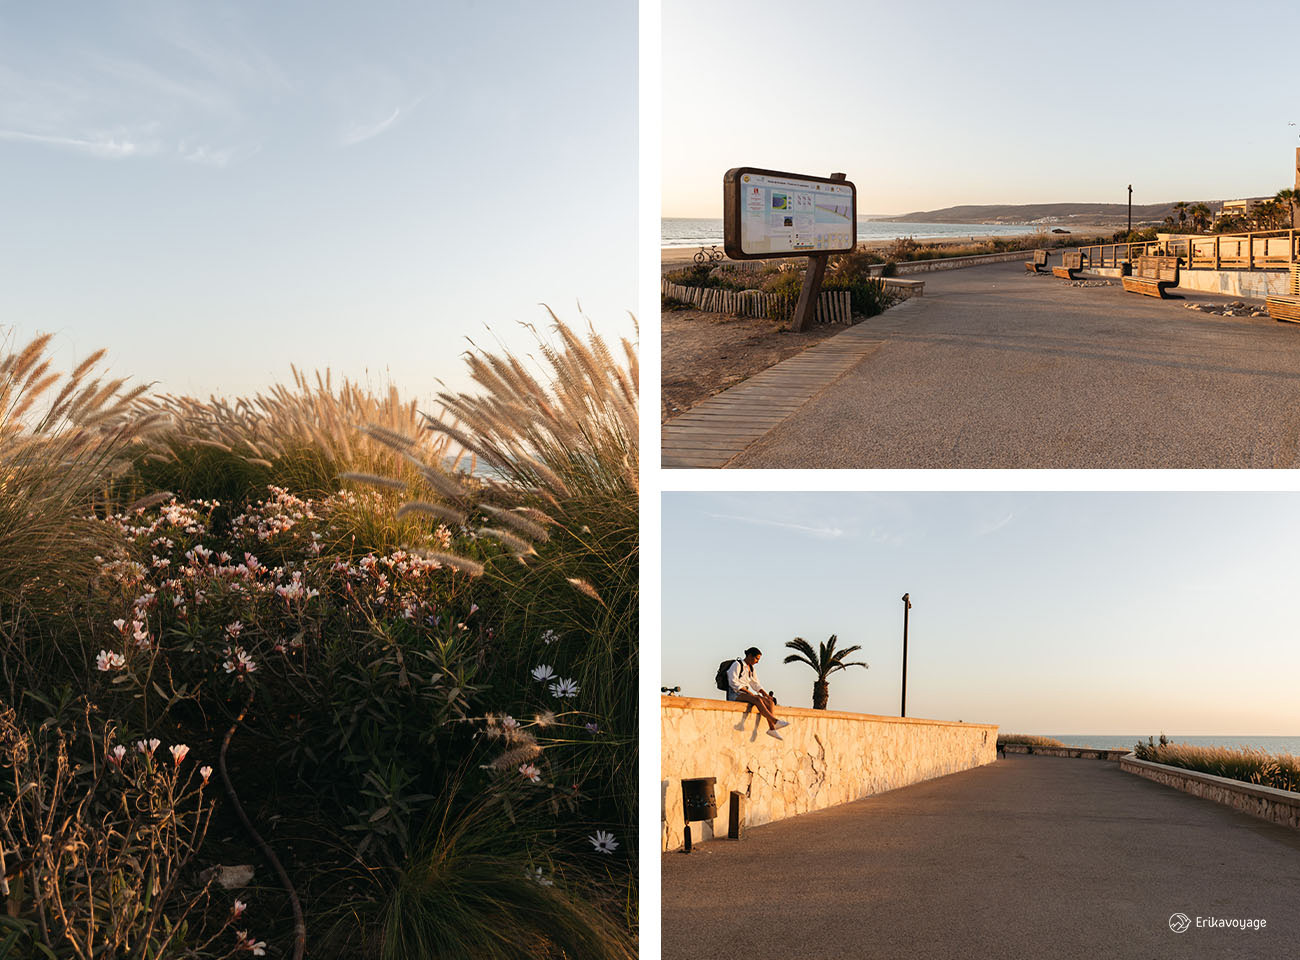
(994, 367)
(1031, 857)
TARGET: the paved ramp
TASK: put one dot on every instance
(1032, 857)
(999, 368)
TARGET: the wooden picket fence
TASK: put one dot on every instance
(833, 306)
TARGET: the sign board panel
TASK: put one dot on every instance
(767, 213)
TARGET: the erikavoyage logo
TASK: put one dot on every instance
(1181, 923)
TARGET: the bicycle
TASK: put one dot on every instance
(713, 255)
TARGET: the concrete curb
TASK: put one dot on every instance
(1267, 803)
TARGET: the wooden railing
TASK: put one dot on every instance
(1264, 250)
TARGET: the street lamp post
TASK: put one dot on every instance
(1130, 208)
(907, 605)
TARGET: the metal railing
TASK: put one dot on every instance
(1261, 250)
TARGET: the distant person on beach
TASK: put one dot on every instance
(743, 687)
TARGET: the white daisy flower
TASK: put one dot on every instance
(564, 688)
(603, 841)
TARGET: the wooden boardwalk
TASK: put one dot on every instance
(713, 432)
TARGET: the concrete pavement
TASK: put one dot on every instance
(994, 367)
(1031, 857)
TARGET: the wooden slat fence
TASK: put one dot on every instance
(833, 306)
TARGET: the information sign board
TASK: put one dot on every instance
(767, 213)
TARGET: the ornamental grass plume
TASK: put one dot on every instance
(1280, 771)
(301, 435)
(63, 437)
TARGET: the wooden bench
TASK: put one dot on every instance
(1152, 276)
(1071, 263)
(1287, 306)
(1039, 261)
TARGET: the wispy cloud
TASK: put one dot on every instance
(100, 145)
(821, 532)
(210, 156)
(986, 527)
(359, 134)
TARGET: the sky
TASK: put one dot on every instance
(217, 191)
(1046, 613)
(934, 103)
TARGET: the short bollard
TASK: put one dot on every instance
(736, 808)
(698, 803)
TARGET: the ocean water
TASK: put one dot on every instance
(694, 232)
(1273, 745)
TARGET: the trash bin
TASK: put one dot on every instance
(698, 801)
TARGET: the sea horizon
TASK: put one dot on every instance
(1270, 744)
(705, 231)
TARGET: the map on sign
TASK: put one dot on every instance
(779, 214)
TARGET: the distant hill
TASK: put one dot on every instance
(1097, 213)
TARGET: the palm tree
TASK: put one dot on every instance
(1289, 198)
(1200, 214)
(1180, 208)
(1265, 214)
(825, 661)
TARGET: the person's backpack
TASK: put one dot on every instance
(724, 668)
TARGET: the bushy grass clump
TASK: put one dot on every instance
(1281, 771)
(1030, 739)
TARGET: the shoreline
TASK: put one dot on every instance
(677, 256)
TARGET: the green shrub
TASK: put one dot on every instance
(364, 660)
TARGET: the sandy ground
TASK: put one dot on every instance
(704, 353)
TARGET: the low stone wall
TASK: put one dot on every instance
(1254, 284)
(1257, 284)
(908, 267)
(1269, 803)
(826, 758)
(1087, 753)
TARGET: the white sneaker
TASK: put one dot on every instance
(773, 733)
(781, 723)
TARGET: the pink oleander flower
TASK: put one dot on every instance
(178, 752)
(109, 660)
(530, 772)
(239, 907)
(116, 754)
(147, 747)
(140, 632)
(240, 662)
(205, 772)
(120, 624)
(233, 629)
(256, 947)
